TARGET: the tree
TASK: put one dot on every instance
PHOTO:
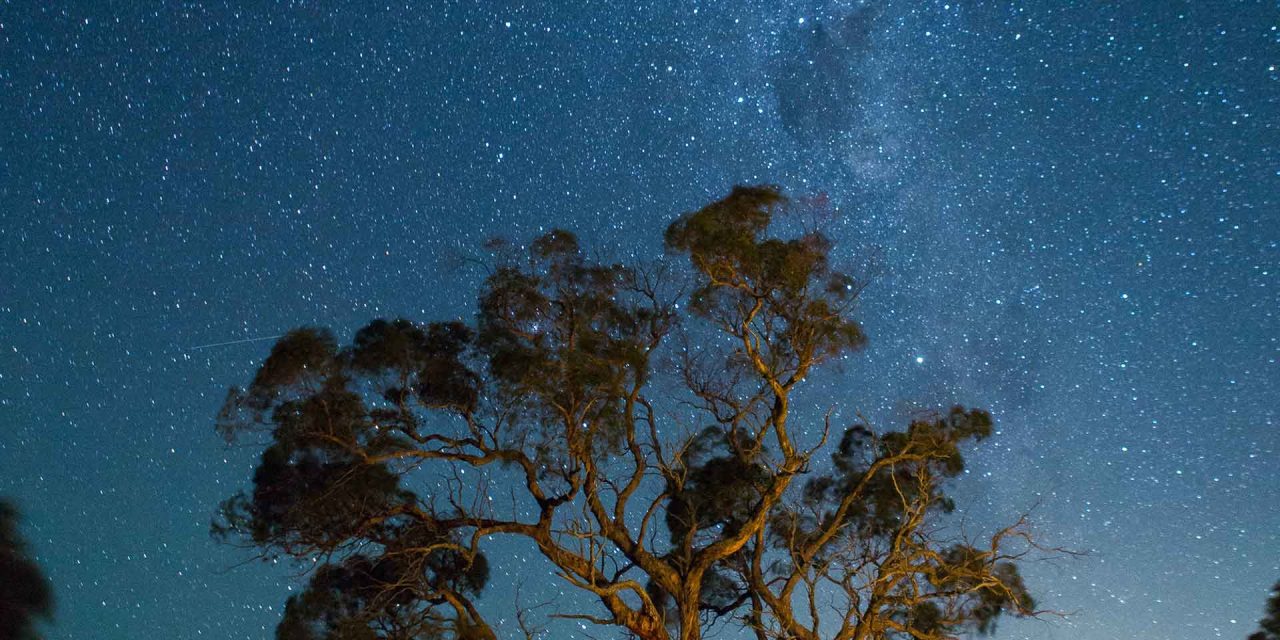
(1269, 625)
(636, 425)
(24, 593)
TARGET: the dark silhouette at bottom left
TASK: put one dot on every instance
(25, 596)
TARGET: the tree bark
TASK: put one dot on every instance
(687, 602)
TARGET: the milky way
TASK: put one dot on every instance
(1075, 209)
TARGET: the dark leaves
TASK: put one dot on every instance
(416, 361)
(363, 598)
(930, 444)
(723, 237)
(997, 586)
(308, 499)
(718, 494)
(1269, 626)
(302, 356)
(389, 345)
(783, 289)
(564, 339)
(399, 593)
(24, 594)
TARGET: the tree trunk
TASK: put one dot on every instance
(690, 614)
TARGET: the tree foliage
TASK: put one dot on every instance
(1269, 625)
(635, 425)
(24, 593)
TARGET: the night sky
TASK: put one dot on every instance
(1077, 209)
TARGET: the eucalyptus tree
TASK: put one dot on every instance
(642, 427)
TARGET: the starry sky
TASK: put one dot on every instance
(1076, 209)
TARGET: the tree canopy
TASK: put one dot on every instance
(25, 597)
(1269, 625)
(640, 426)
